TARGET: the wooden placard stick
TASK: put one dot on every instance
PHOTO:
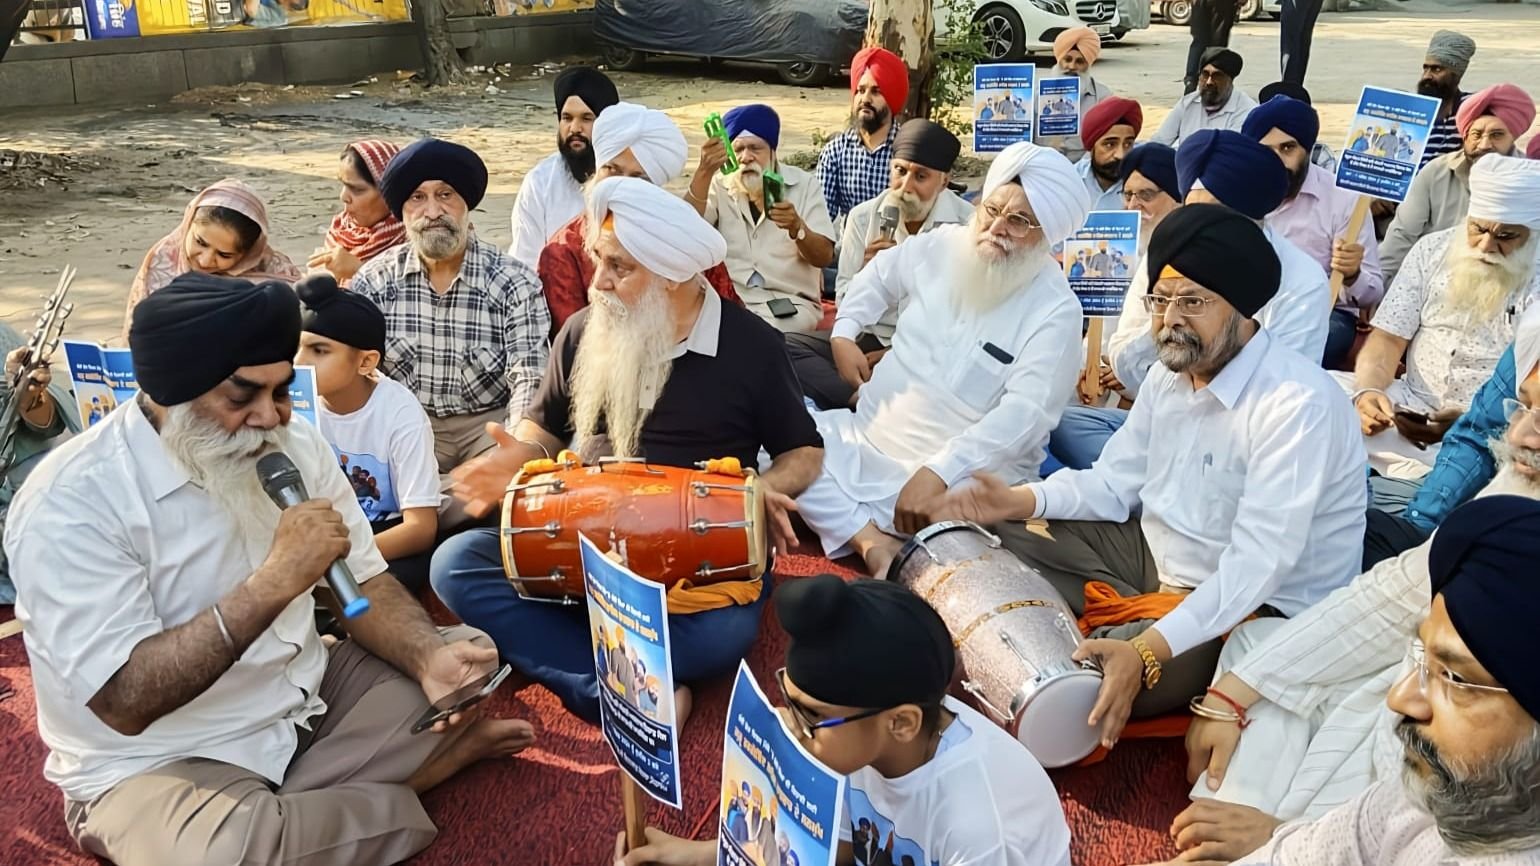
(1354, 227)
(634, 801)
(1091, 376)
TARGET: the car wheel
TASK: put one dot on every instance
(622, 58)
(1251, 11)
(803, 74)
(1178, 12)
(1003, 36)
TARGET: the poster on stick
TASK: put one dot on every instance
(1099, 261)
(1058, 107)
(1385, 143)
(1002, 105)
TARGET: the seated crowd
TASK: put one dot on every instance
(1300, 523)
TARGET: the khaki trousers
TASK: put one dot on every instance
(342, 800)
(458, 438)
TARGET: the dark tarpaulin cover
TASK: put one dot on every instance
(779, 31)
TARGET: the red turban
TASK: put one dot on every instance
(890, 73)
(1506, 102)
(1533, 150)
(1109, 113)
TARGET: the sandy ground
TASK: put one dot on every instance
(128, 172)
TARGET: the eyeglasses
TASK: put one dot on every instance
(1187, 306)
(806, 724)
(1018, 224)
(1145, 196)
(1494, 136)
(1513, 410)
(1450, 683)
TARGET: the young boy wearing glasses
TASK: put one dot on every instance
(930, 779)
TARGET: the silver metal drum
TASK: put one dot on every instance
(1015, 634)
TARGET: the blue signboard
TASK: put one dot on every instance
(1099, 260)
(1058, 106)
(1385, 142)
(1002, 105)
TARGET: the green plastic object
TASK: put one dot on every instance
(715, 129)
(775, 189)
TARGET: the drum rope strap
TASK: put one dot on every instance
(988, 615)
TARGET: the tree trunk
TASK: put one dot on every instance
(906, 28)
(441, 63)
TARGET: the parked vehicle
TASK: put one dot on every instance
(1179, 12)
(1014, 30)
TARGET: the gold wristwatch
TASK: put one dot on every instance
(1151, 664)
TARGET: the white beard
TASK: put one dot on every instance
(980, 285)
(1508, 480)
(1481, 283)
(911, 208)
(624, 355)
(224, 466)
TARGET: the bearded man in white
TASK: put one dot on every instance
(983, 362)
(1451, 311)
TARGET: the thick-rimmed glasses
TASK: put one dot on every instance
(806, 724)
(1449, 682)
(1187, 306)
(1144, 196)
(1513, 410)
(1018, 224)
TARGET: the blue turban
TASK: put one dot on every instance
(433, 159)
(1241, 173)
(758, 119)
(1292, 116)
(1156, 162)
(1482, 560)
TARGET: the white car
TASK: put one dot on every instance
(1015, 29)
(1179, 12)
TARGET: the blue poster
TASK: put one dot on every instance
(101, 378)
(780, 806)
(1002, 105)
(1385, 142)
(1058, 106)
(302, 395)
(628, 631)
(111, 19)
(1100, 259)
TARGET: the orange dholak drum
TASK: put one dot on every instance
(668, 524)
(1014, 634)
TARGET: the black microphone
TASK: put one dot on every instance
(889, 222)
(283, 484)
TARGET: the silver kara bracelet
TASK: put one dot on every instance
(224, 632)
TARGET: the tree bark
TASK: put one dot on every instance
(907, 28)
(441, 63)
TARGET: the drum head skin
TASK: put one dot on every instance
(1052, 725)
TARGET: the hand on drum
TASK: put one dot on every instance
(1122, 677)
(982, 499)
(481, 481)
(778, 508)
(912, 511)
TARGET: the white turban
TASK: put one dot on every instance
(663, 233)
(1526, 342)
(1056, 191)
(652, 138)
(1506, 189)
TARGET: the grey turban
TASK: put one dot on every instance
(1453, 50)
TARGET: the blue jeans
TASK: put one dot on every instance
(1341, 331)
(1082, 433)
(550, 643)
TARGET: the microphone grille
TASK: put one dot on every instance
(276, 470)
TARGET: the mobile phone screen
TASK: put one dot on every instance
(462, 699)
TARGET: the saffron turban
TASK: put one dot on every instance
(1526, 345)
(652, 138)
(1082, 39)
(756, 119)
(1221, 251)
(1055, 190)
(433, 159)
(1157, 162)
(1506, 102)
(887, 69)
(1241, 173)
(1482, 559)
(1506, 189)
(588, 84)
(199, 329)
(664, 235)
(1452, 50)
(1108, 113)
(1297, 119)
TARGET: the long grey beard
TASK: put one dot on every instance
(1509, 479)
(624, 355)
(224, 466)
(980, 286)
(1478, 287)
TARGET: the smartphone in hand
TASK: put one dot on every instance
(462, 699)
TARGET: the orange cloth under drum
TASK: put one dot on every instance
(685, 598)
(1104, 607)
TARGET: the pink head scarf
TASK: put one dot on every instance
(366, 242)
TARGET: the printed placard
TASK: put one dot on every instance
(101, 378)
(302, 396)
(1002, 105)
(1058, 106)
(1099, 260)
(1385, 142)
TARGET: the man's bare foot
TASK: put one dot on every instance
(684, 702)
(483, 738)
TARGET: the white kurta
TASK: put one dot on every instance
(549, 198)
(864, 225)
(939, 399)
(1324, 676)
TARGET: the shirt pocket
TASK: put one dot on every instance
(400, 361)
(481, 375)
(979, 379)
(1220, 488)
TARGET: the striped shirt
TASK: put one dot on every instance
(479, 346)
(850, 173)
(1444, 136)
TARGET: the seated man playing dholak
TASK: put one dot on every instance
(656, 367)
(1236, 485)
(1313, 687)
(191, 711)
(983, 361)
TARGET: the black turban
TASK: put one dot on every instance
(1220, 250)
(1222, 59)
(927, 143)
(1482, 559)
(1284, 88)
(197, 330)
(588, 84)
(869, 644)
(433, 159)
(347, 317)
(1157, 162)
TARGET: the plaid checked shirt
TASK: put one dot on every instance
(850, 173)
(481, 345)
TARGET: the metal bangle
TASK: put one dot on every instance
(224, 632)
(539, 445)
(1198, 709)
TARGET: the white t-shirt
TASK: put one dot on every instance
(386, 451)
(983, 800)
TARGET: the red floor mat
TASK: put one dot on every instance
(558, 804)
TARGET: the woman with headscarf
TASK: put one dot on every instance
(224, 233)
(365, 227)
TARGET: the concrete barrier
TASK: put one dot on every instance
(158, 67)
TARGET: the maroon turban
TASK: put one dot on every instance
(1109, 113)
